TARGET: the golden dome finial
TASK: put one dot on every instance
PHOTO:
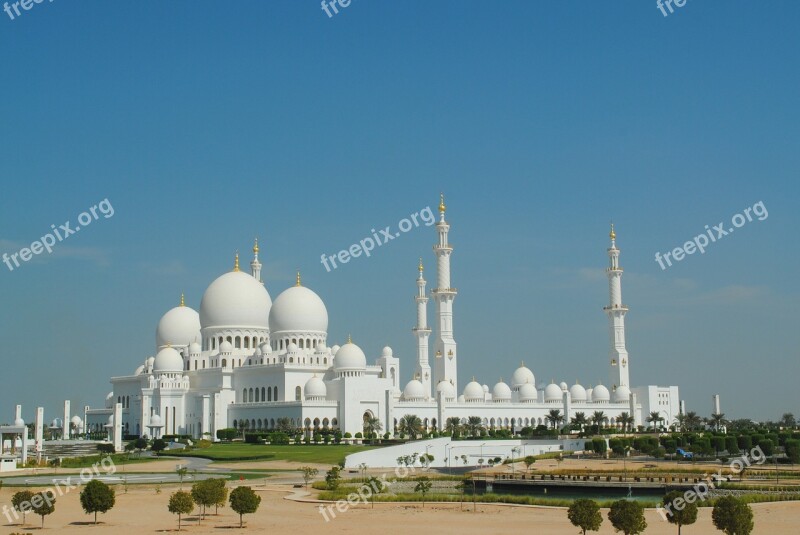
(255, 246)
(349, 339)
(442, 206)
(183, 301)
(420, 268)
(297, 281)
(236, 262)
(612, 234)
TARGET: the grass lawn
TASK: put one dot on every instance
(321, 454)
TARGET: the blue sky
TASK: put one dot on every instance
(207, 123)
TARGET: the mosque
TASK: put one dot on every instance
(245, 358)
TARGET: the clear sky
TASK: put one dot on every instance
(205, 124)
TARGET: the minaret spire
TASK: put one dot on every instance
(255, 265)
(423, 333)
(445, 366)
(616, 310)
(236, 262)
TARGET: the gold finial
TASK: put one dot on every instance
(183, 301)
(349, 339)
(612, 234)
(236, 262)
(169, 344)
(522, 364)
(442, 207)
(297, 282)
(255, 246)
(420, 265)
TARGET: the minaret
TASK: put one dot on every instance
(255, 265)
(422, 332)
(445, 366)
(618, 355)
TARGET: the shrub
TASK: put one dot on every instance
(97, 497)
(745, 442)
(244, 501)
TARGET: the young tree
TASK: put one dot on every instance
(158, 446)
(219, 493)
(97, 497)
(628, 517)
(683, 517)
(377, 487)
(181, 471)
(585, 514)
(202, 494)
(43, 504)
(529, 460)
(332, 478)
(180, 503)
(22, 502)
(309, 473)
(244, 501)
(423, 487)
(732, 516)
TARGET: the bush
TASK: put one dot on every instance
(599, 445)
(359, 435)
(731, 445)
(793, 450)
(348, 435)
(745, 442)
(228, 434)
(278, 438)
(203, 444)
(105, 448)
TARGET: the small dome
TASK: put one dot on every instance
(527, 393)
(564, 387)
(521, 376)
(349, 357)
(321, 350)
(577, 393)
(109, 401)
(76, 420)
(335, 349)
(448, 389)
(139, 370)
(501, 392)
(414, 391)
(474, 391)
(19, 422)
(622, 394)
(485, 389)
(168, 360)
(178, 327)
(387, 352)
(298, 309)
(155, 421)
(195, 348)
(149, 362)
(600, 394)
(552, 393)
(235, 299)
(292, 347)
(257, 352)
(315, 388)
(265, 348)
(110, 421)
(225, 347)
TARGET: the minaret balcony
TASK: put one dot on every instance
(424, 330)
(623, 308)
(445, 291)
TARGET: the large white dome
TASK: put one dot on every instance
(235, 299)
(521, 376)
(527, 393)
(622, 394)
(577, 392)
(501, 392)
(168, 360)
(600, 394)
(349, 357)
(414, 391)
(448, 389)
(552, 393)
(473, 391)
(180, 326)
(298, 309)
(315, 388)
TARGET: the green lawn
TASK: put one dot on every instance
(322, 454)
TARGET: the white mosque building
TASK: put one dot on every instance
(247, 358)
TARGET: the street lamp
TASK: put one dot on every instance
(513, 470)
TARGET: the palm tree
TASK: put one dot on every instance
(474, 426)
(626, 420)
(680, 421)
(284, 425)
(692, 421)
(453, 425)
(654, 418)
(718, 420)
(372, 426)
(598, 418)
(788, 421)
(580, 420)
(411, 425)
(554, 417)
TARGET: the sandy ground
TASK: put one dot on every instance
(141, 510)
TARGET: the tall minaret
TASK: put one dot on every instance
(255, 265)
(618, 355)
(445, 365)
(422, 332)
